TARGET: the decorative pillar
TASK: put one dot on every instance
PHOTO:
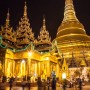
(48, 68)
(29, 62)
(38, 69)
(35, 72)
(5, 71)
(57, 70)
(29, 66)
(13, 68)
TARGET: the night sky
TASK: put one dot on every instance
(52, 9)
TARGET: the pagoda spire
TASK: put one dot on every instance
(24, 31)
(8, 35)
(44, 34)
(69, 12)
(25, 10)
(44, 39)
(70, 24)
(7, 19)
(44, 21)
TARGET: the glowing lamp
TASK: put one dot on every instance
(30, 53)
(63, 75)
(23, 61)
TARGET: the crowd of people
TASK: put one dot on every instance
(64, 84)
(50, 83)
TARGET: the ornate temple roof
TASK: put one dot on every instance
(72, 63)
(24, 33)
(7, 33)
(44, 40)
(44, 35)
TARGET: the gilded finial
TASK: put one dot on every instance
(69, 12)
(7, 19)
(44, 26)
(43, 20)
(25, 9)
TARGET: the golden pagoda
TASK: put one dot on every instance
(24, 34)
(72, 38)
(8, 34)
(43, 43)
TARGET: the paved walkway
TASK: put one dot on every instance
(58, 88)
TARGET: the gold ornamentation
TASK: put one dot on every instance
(24, 32)
(7, 33)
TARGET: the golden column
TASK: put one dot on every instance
(35, 72)
(13, 63)
(29, 62)
(38, 68)
(5, 71)
(48, 66)
(23, 68)
(57, 70)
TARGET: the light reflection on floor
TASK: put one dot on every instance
(58, 88)
(20, 88)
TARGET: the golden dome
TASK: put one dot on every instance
(73, 37)
(70, 27)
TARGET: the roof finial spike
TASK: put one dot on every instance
(69, 12)
(7, 19)
(25, 9)
(43, 20)
(44, 25)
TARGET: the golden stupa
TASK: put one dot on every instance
(72, 38)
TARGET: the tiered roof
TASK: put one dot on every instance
(7, 33)
(44, 40)
(24, 34)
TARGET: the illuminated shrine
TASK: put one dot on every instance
(23, 55)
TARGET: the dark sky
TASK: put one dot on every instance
(53, 10)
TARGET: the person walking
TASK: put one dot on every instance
(80, 84)
(39, 83)
(48, 83)
(44, 84)
(2, 86)
(53, 84)
(11, 82)
(28, 85)
(64, 84)
(23, 84)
